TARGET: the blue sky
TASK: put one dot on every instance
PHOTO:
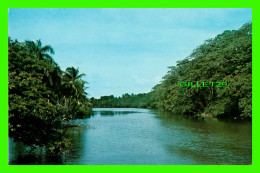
(122, 50)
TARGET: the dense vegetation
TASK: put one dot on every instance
(226, 58)
(126, 101)
(41, 96)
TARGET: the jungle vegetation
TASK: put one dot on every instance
(125, 101)
(42, 96)
(225, 58)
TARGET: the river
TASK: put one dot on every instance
(132, 136)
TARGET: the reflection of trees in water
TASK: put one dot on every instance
(78, 144)
(207, 125)
(19, 154)
(113, 113)
(207, 141)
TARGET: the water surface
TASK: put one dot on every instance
(120, 136)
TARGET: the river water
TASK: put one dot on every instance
(131, 136)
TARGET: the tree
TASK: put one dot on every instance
(39, 51)
(73, 89)
(72, 83)
(225, 58)
(36, 99)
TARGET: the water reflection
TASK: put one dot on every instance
(22, 155)
(115, 113)
(76, 135)
(208, 141)
(122, 136)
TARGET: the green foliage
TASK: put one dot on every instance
(126, 101)
(226, 58)
(37, 102)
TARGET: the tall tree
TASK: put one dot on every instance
(72, 82)
(39, 51)
(75, 97)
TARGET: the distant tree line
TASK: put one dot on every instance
(225, 58)
(125, 101)
(41, 96)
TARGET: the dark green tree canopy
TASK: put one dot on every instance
(37, 98)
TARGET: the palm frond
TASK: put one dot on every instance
(81, 75)
(47, 48)
(39, 43)
(49, 59)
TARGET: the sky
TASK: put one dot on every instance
(122, 50)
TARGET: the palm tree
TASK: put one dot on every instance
(73, 89)
(72, 83)
(44, 53)
(39, 51)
